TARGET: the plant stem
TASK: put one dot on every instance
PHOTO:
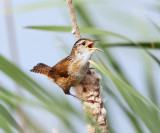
(74, 20)
(13, 50)
(89, 89)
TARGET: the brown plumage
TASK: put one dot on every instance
(72, 69)
(41, 68)
(60, 69)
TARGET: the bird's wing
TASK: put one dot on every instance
(60, 69)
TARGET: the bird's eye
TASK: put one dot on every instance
(83, 43)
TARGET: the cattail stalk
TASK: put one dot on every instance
(74, 20)
(89, 88)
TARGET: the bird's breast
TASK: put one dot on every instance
(78, 70)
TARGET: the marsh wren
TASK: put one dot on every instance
(72, 69)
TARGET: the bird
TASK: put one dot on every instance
(71, 70)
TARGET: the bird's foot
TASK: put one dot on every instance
(84, 100)
(91, 68)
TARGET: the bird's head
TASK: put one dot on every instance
(84, 47)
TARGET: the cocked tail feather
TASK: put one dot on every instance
(41, 68)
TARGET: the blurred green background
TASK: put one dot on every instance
(40, 31)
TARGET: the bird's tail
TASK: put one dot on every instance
(41, 68)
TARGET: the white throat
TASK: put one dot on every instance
(83, 57)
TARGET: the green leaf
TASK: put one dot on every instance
(85, 16)
(35, 6)
(133, 119)
(94, 31)
(85, 30)
(25, 81)
(4, 125)
(125, 85)
(9, 118)
(150, 54)
(52, 104)
(52, 28)
(47, 4)
(136, 106)
(154, 24)
(141, 110)
(152, 45)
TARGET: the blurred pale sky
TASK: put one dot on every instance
(38, 46)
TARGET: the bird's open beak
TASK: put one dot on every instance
(90, 46)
